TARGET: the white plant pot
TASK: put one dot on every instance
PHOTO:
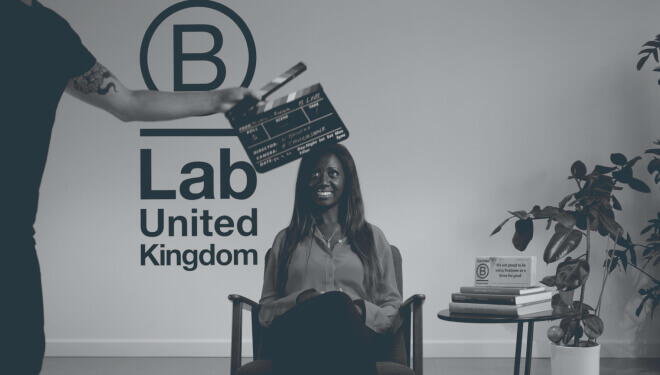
(574, 360)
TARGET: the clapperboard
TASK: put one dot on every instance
(280, 131)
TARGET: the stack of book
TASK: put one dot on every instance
(508, 301)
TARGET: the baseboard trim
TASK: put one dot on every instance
(221, 348)
(540, 349)
(141, 348)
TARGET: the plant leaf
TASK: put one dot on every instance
(564, 201)
(633, 161)
(557, 301)
(615, 262)
(523, 235)
(641, 305)
(603, 169)
(615, 203)
(654, 166)
(566, 219)
(499, 227)
(563, 242)
(653, 151)
(546, 212)
(647, 229)
(624, 260)
(593, 326)
(594, 223)
(642, 61)
(549, 281)
(522, 214)
(618, 158)
(573, 329)
(625, 175)
(613, 228)
(585, 307)
(571, 274)
(639, 185)
(566, 297)
(581, 220)
(578, 169)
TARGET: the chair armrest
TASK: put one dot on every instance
(240, 303)
(416, 299)
(247, 304)
(413, 306)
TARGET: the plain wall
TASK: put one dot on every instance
(457, 112)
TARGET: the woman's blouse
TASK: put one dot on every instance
(315, 266)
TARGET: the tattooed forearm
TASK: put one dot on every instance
(94, 81)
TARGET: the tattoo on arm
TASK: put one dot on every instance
(93, 81)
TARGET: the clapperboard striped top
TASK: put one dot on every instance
(267, 106)
(282, 79)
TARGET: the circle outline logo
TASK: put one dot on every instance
(480, 269)
(146, 39)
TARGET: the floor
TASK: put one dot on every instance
(220, 366)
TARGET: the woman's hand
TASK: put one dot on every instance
(307, 295)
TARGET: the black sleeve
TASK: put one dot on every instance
(79, 59)
(75, 59)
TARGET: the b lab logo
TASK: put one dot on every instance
(482, 271)
(197, 45)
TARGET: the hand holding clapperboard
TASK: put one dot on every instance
(277, 132)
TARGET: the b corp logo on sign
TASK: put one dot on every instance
(195, 65)
(482, 271)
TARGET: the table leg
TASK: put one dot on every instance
(516, 369)
(530, 338)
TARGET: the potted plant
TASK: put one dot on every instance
(588, 211)
(591, 209)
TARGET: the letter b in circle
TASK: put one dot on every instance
(482, 271)
(210, 56)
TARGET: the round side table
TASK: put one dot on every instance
(557, 313)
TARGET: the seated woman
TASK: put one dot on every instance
(329, 295)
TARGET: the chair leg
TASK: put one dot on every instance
(418, 347)
(256, 333)
(236, 337)
(406, 325)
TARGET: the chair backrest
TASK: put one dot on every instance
(398, 273)
(396, 257)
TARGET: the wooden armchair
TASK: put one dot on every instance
(409, 335)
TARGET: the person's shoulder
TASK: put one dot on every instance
(379, 238)
(278, 242)
(376, 230)
(52, 15)
(281, 235)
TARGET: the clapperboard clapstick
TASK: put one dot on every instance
(280, 131)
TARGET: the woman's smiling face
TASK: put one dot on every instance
(326, 183)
